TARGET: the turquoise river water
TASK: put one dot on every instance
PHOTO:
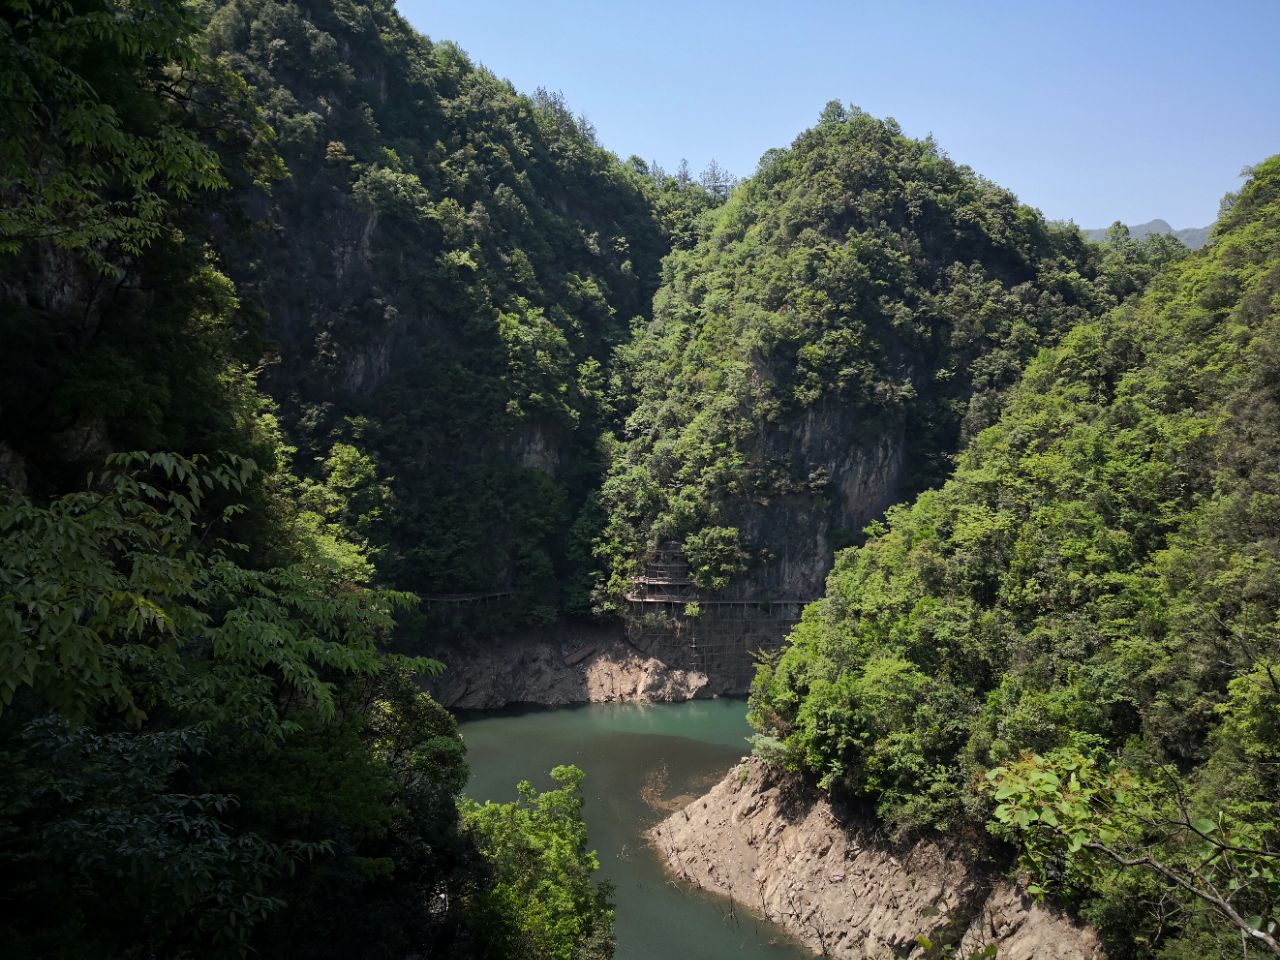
(639, 759)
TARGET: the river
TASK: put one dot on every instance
(638, 759)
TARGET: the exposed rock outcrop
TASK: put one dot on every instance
(545, 671)
(842, 888)
(1022, 928)
(833, 474)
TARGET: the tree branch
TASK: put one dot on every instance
(1213, 899)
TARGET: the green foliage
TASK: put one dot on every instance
(141, 656)
(860, 290)
(105, 594)
(347, 508)
(202, 751)
(107, 94)
(1075, 823)
(107, 826)
(1098, 581)
(715, 554)
(540, 902)
(380, 788)
(459, 289)
(206, 758)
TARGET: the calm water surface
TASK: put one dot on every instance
(638, 760)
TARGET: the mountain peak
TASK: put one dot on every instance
(1193, 237)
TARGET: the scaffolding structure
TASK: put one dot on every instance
(668, 617)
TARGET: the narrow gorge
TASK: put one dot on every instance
(426, 533)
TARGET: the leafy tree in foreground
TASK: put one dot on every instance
(539, 902)
(202, 751)
(201, 758)
(1077, 822)
(138, 652)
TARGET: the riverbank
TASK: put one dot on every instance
(776, 847)
(642, 762)
(567, 665)
(762, 840)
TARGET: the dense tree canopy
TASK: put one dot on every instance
(204, 749)
(446, 273)
(1093, 590)
(860, 277)
(405, 328)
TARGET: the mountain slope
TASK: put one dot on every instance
(859, 305)
(444, 273)
(1096, 586)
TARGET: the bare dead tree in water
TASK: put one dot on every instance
(814, 923)
(764, 903)
(672, 855)
(733, 901)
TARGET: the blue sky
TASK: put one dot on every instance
(1091, 111)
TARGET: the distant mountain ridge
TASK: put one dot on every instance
(1193, 237)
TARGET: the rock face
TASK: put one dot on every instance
(778, 848)
(1019, 928)
(831, 475)
(527, 670)
(834, 475)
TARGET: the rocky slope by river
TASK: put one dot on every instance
(587, 665)
(778, 849)
(766, 841)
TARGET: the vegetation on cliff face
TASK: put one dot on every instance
(204, 750)
(445, 274)
(859, 275)
(1074, 639)
(394, 318)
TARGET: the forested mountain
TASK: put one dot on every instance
(857, 307)
(204, 750)
(306, 319)
(1192, 237)
(1072, 641)
(444, 273)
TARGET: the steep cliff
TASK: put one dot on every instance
(841, 472)
(834, 881)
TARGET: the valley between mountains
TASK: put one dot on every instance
(353, 403)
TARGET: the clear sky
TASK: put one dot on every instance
(1091, 111)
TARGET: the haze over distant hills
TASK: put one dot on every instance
(1193, 237)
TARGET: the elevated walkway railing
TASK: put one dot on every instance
(457, 598)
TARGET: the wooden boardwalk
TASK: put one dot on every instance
(669, 617)
(447, 599)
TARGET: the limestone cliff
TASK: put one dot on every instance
(841, 887)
